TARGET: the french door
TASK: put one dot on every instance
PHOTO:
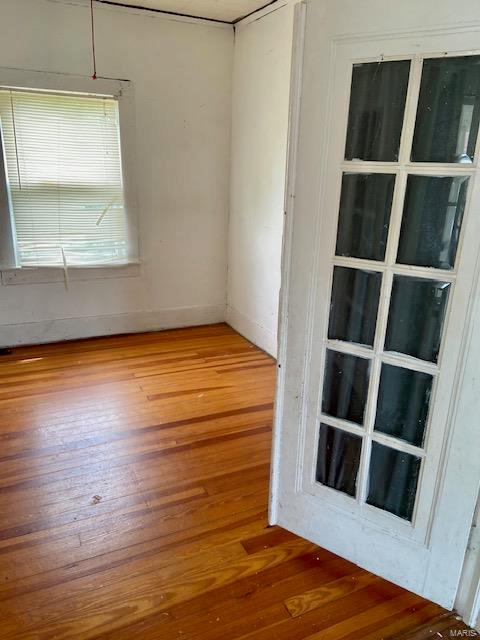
(376, 453)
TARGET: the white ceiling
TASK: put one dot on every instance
(225, 10)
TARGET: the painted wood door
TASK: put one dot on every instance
(378, 404)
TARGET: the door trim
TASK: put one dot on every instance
(467, 602)
(287, 238)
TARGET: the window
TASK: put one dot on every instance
(64, 198)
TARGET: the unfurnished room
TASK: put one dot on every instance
(239, 319)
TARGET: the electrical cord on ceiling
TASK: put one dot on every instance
(94, 59)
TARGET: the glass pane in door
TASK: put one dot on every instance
(432, 218)
(338, 459)
(427, 227)
(345, 386)
(403, 403)
(416, 316)
(392, 481)
(377, 105)
(354, 305)
(448, 110)
(364, 219)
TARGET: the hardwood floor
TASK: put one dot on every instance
(133, 494)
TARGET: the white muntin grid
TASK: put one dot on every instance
(388, 268)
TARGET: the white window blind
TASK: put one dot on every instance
(64, 171)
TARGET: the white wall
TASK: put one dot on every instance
(181, 73)
(259, 142)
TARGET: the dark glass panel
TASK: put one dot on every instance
(416, 317)
(338, 459)
(377, 104)
(393, 479)
(365, 206)
(345, 386)
(448, 110)
(403, 401)
(432, 218)
(354, 305)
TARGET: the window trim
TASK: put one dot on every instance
(8, 243)
(122, 90)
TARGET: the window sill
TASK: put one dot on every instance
(47, 275)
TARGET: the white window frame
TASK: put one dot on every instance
(9, 253)
(122, 90)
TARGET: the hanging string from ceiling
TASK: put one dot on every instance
(94, 59)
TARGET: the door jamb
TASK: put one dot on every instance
(467, 602)
(289, 198)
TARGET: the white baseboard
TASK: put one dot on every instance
(256, 333)
(86, 327)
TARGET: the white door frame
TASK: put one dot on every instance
(467, 602)
(294, 346)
